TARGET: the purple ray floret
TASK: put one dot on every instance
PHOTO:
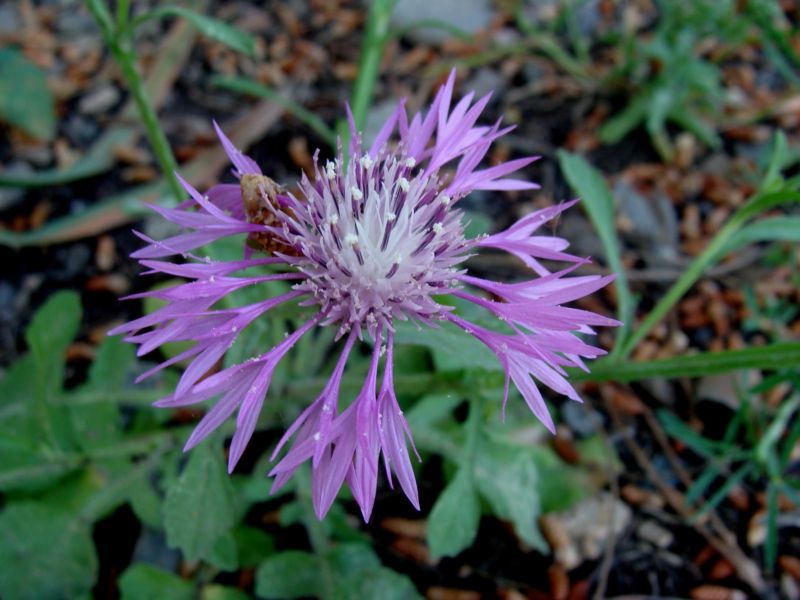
(370, 241)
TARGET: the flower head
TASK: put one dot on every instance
(372, 240)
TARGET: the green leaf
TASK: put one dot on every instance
(51, 331)
(763, 202)
(151, 304)
(100, 424)
(771, 542)
(45, 553)
(144, 582)
(290, 574)
(234, 37)
(302, 114)
(477, 223)
(224, 553)
(215, 591)
(773, 229)
(25, 101)
(358, 574)
(509, 480)
(596, 198)
(253, 545)
(621, 124)
(99, 159)
(198, 508)
(777, 161)
(562, 485)
(776, 356)
(725, 489)
(675, 427)
(455, 517)
(431, 409)
(452, 349)
(147, 504)
(380, 583)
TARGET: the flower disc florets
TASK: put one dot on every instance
(377, 238)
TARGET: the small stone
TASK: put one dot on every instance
(582, 419)
(655, 534)
(470, 17)
(10, 196)
(79, 130)
(580, 533)
(99, 100)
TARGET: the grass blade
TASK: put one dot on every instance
(781, 355)
(596, 198)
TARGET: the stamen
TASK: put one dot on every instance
(411, 162)
(445, 199)
(403, 183)
(351, 239)
(366, 162)
(437, 228)
(391, 216)
(357, 195)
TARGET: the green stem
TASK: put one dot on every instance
(682, 285)
(316, 530)
(120, 43)
(375, 37)
(474, 423)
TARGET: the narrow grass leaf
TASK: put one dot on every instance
(239, 40)
(596, 198)
(776, 356)
(302, 114)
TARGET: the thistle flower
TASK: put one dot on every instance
(371, 240)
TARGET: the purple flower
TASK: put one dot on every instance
(370, 241)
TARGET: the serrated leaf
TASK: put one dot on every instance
(358, 573)
(224, 554)
(45, 553)
(454, 519)
(145, 582)
(253, 545)
(290, 574)
(431, 409)
(380, 583)
(239, 40)
(509, 480)
(25, 100)
(100, 424)
(452, 349)
(147, 505)
(198, 508)
(51, 331)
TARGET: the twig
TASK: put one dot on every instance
(748, 571)
(611, 541)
